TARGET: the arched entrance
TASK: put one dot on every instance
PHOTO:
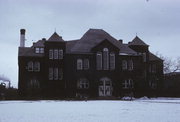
(105, 87)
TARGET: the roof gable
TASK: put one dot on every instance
(137, 41)
(55, 38)
(94, 37)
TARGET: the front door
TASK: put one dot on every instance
(105, 87)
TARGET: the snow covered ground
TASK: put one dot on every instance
(139, 110)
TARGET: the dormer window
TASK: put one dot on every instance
(39, 50)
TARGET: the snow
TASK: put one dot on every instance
(138, 110)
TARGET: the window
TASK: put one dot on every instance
(79, 64)
(83, 83)
(105, 59)
(60, 54)
(50, 73)
(124, 65)
(153, 68)
(130, 65)
(86, 64)
(152, 84)
(112, 61)
(60, 74)
(50, 54)
(30, 66)
(37, 50)
(144, 57)
(99, 61)
(41, 50)
(55, 73)
(55, 53)
(37, 66)
(128, 84)
(33, 83)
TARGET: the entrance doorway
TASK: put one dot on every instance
(105, 87)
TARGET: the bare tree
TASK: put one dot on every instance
(170, 65)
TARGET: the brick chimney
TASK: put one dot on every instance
(22, 37)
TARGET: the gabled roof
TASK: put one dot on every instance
(152, 57)
(39, 43)
(28, 51)
(137, 41)
(95, 36)
(55, 38)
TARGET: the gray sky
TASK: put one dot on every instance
(157, 22)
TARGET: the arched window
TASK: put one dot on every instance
(105, 59)
(36, 66)
(112, 61)
(86, 64)
(124, 65)
(99, 61)
(83, 83)
(130, 65)
(30, 66)
(79, 64)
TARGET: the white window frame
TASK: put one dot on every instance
(130, 65)
(41, 50)
(55, 53)
(60, 54)
(105, 59)
(112, 61)
(79, 64)
(124, 65)
(99, 61)
(86, 64)
(83, 83)
(36, 66)
(128, 84)
(37, 50)
(51, 54)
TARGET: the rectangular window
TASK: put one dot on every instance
(130, 65)
(124, 65)
(112, 61)
(153, 68)
(79, 64)
(50, 73)
(144, 57)
(60, 53)
(105, 60)
(41, 50)
(55, 53)
(55, 73)
(37, 50)
(50, 54)
(86, 64)
(37, 66)
(60, 74)
(99, 61)
(30, 66)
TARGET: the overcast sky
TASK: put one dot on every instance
(157, 22)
